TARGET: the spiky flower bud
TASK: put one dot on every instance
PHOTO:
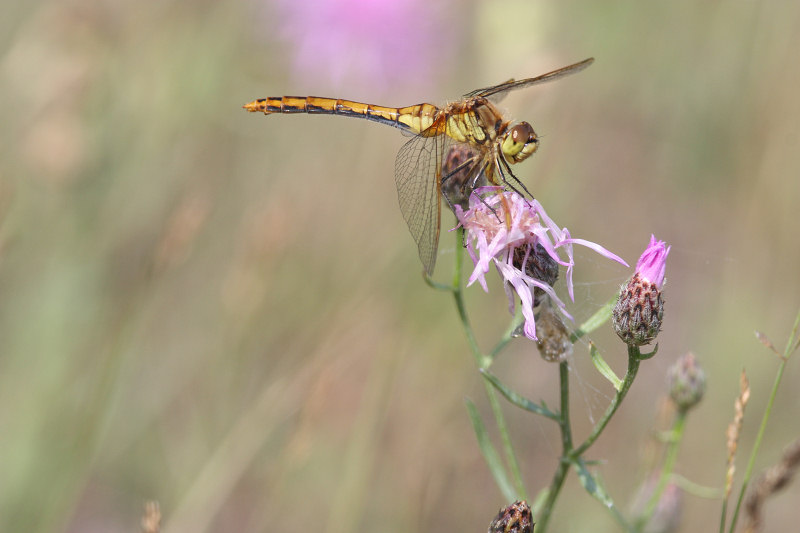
(640, 309)
(516, 518)
(687, 382)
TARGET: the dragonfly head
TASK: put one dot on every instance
(519, 142)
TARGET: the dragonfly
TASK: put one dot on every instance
(487, 144)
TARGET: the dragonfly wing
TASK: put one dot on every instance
(496, 92)
(417, 173)
(499, 86)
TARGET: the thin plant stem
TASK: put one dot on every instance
(724, 515)
(560, 474)
(630, 375)
(751, 462)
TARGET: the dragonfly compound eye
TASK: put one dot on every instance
(520, 142)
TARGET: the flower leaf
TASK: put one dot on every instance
(517, 399)
(489, 453)
(602, 367)
(592, 485)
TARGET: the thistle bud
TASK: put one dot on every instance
(516, 518)
(687, 382)
(640, 309)
(458, 175)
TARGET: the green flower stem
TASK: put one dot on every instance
(790, 347)
(572, 455)
(630, 375)
(724, 514)
(508, 449)
(560, 474)
(666, 470)
(484, 361)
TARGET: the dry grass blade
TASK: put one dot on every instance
(734, 430)
(768, 483)
(763, 339)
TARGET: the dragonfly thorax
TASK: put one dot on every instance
(519, 142)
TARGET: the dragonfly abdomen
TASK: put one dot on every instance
(414, 118)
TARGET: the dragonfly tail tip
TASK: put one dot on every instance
(253, 106)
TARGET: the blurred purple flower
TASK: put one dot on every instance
(377, 42)
(503, 224)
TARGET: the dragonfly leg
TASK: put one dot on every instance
(457, 182)
(447, 199)
(466, 164)
(472, 174)
(483, 172)
(486, 170)
(504, 167)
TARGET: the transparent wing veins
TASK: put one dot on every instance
(498, 91)
(418, 179)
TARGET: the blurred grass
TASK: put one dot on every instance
(225, 313)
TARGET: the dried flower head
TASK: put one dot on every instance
(639, 311)
(769, 483)
(553, 342)
(516, 518)
(735, 429)
(514, 234)
(686, 382)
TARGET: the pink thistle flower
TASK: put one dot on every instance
(502, 226)
(639, 312)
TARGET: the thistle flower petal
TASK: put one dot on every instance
(506, 230)
(652, 265)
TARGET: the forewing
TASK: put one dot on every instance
(417, 173)
(496, 92)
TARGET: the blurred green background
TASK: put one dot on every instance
(224, 312)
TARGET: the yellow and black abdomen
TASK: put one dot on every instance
(415, 118)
